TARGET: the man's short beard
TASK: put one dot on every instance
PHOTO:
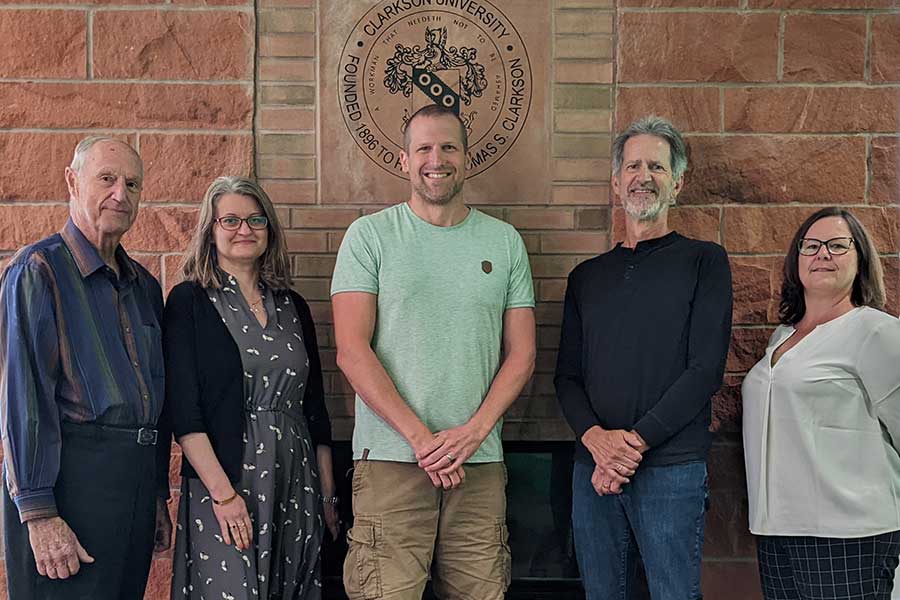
(647, 213)
(444, 200)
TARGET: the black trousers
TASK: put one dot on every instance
(814, 568)
(105, 492)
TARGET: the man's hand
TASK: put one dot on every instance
(448, 449)
(332, 520)
(163, 536)
(616, 451)
(452, 474)
(57, 552)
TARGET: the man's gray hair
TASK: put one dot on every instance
(85, 145)
(661, 128)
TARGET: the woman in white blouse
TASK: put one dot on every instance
(822, 423)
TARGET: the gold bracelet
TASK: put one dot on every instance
(225, 501)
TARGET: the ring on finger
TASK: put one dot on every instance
(450, 456)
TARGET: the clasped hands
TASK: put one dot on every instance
(442, 456)
(617, 453)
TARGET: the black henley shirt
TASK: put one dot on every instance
(644, 339)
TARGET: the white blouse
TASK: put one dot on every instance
(822, 428)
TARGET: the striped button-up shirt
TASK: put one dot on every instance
(77, 343)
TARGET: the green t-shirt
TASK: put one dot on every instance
(442, 292)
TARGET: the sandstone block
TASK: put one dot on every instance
(43, 43)
(45, 155)
(287, 21)
(281, 167)
(885, 171)
(582, 71)
(698, 222)
(288, 44)
(287, 143)
(699, 46)
(287, 3)
(151, 262)
(22, 225)
(823, 4)
(726, 406)
(125, 106)
(756, 288)
(160, 581)
(821, 48)
(173, 45)
(747, 347)
(885, 48)
(161, 229)
(581, 146)
(822, 170)
(323, 218)
(580, 169)
(575, 242)
(812, 110)
(288, 94)
(172, 264)
(682, 3)
(581, 96)
(180, 167)
(582, 121)
(689, 109)
(592, 218)
(541, 218)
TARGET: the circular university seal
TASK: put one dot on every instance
(463, 54)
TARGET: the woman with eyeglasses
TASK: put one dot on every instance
(821, 423)
(245, 385)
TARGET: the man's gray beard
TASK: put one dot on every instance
(649, 213)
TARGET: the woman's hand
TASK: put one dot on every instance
(234, 521)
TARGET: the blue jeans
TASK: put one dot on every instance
(659, 514)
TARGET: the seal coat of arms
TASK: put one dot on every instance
(463, 54)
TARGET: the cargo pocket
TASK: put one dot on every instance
(503, 570)
(362, 573)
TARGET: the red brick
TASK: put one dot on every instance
(812, 110)
(580, 194)
(323, 218)
(213, 2)
(335, 238)
(313, 266)
(580, 169)
(548, 337)
(681, 3)
(287, 118)
(823, 170)
(582, 71)
(288, 44)
(735, 580)
(286, 69)
(747, 347)
(757, 288)
(824, 48)
(43, 43)
(551, 266)
(885, 171)
(290, 192)
(548, 313)
(885, 48)
(125, 106)
(161, 229)
(306, 241)
(689, 109)
(592, 218)
(173, 44)
(313, 289)
(21, 225)
(574, 242)
(681, 47)
(541, 218)
(823, 4)
(771, 229)
(180, 167)
(552, 290)
(46, 154)
(80, 2)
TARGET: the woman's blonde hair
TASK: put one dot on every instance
(200, 261)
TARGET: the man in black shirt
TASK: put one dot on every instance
(645, 332)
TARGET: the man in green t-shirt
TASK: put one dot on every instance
(426, 294)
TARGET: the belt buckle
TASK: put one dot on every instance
(146, 436)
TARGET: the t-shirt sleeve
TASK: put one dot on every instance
(356, 268)
(520, 290)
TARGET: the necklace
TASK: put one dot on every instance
(255, 307)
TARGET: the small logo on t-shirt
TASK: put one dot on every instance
(486, 266)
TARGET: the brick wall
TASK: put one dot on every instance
(787, 105)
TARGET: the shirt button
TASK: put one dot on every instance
(134, 362)
(128, 330)
(145, 396)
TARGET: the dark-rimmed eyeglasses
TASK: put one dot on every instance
(835, 246)
(231, 223)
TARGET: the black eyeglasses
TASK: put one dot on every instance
(835, 246)
(231, 223)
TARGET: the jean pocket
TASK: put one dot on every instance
(362, 573)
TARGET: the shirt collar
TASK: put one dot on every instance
(87, 257)
(653, 244)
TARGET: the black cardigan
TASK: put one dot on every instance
(205, 377)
